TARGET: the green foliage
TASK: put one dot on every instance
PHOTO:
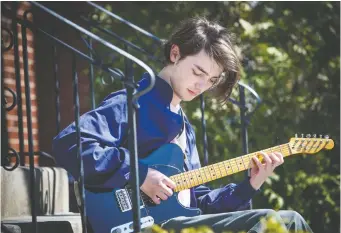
(269, 225)
(294, 49)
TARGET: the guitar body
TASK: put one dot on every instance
(108, 211)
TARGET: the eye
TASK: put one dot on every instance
(213, 81)
(196, 74)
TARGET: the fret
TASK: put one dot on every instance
(250, 158)
(217, 169)
(234, 160)
(237, 163)
(181, 180)
(243, 162)
(280, 149)
(289, 149)
(207, 173)
(222, 169)
(189, 178)
(177, 182)
(230, 165)
(184, 178)
(195, 179)
(203, 174)
(198, 175)
(212, 172)
(240, 163)
(227, 167)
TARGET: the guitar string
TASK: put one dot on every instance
(235, 165)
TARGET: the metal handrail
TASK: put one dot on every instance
(132, 95)
(107, 44)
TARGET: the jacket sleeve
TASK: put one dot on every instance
(103, 130)
(232, 197)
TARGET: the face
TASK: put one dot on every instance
(192, 75)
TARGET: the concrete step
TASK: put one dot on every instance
(51, 192)
(66, 223)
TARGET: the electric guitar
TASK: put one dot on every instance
(111, 212)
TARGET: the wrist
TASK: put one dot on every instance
(256, 184)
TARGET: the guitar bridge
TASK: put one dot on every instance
(123, 197)
(123, 200)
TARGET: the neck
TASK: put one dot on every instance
(215, 171)
(165, 74)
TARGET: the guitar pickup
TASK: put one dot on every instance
(146, 222)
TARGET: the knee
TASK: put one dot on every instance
(269, 213)
(291, 216)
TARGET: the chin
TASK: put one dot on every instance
(188, 98)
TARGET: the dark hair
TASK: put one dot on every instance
(198, 33)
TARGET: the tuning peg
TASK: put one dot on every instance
(308, 136)
(302, 135)
(314, 135)
(320, 135)
(296, 135)
(326, 136)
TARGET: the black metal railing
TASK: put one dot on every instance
(126, 77)
(93, 60)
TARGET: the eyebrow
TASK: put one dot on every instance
(202, 70)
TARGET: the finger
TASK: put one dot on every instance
(169, 182)
(257, 163)
(162, 195)
(280, 156)
(275, 160)
(166, 190)
(156, 200)
(268, 161)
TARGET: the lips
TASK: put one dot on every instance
(192, 92)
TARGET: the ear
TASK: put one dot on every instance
(174, 54)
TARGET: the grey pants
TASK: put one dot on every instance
(240, 221)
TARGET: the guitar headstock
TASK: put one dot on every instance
(310, 144)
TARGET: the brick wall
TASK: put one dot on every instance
(42, 83)
(46, 94)
(10, 82)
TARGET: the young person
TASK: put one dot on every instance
(199, 57)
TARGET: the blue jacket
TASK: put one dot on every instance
(106, 157)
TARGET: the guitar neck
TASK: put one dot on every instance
(215, 171)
